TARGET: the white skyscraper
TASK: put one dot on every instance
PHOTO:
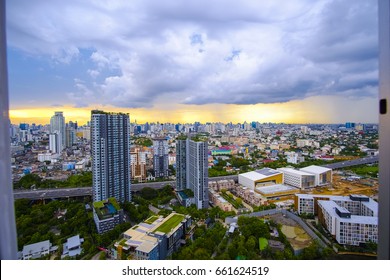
(57, 124)
(55, 143)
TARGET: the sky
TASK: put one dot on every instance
(296, 61)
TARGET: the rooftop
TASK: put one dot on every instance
(280, 188)
(36, 247)
(139, 236)
(315, 169)
(170, 223)
(260, 174)
(295, 171)
(330, 207)
(106, 208)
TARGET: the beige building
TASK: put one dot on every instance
(138, 164)
(219, 201)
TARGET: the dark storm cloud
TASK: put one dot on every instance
(202, 52)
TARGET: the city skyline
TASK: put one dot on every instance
(295, 63)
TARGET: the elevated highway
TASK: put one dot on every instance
(87, 191)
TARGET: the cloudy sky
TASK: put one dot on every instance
(217, 60)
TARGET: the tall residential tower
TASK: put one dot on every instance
(192, 169)
(110, 138)
(160, 157)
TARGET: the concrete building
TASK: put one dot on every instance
(276, 190)
(303, 142)
(258, 178)
(182, 163)
(360, 205)
(323, 175)
(221, 185)
(296, 178)
(107, 214)
(37, 250)
(294, 158)
(219, 201)
(160, 158)
(57, 124)
(55, 144)
(70, 136)
(138, 164)
(347, 228)
(156, 238)
(110, 150)
(192, 169)
(198, 172)
(72, 247)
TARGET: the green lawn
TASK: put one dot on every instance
(170, 223)
(151, 220)
(263, 243)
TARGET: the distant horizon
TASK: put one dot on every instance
(133, 121)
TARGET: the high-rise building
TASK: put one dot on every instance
(138, 164)
(160, 157)
(192, 170)
(57, 124)
(70, 133)
(110, 149)
(182, 163)
(55, 143)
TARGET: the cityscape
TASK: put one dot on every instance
(205, 130)
(115, 189)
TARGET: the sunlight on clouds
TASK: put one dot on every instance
(318, 109)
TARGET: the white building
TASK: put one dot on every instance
(347, 228)
(360, 205)
(44, 157)
(80, 165)
(57, 125)
(55, 142)
(263, 177)
(294, 158)
(297, 178)
(72, 247)
(323, 175)
(37, 250)
(303, 142)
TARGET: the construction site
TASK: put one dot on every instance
(343, 185)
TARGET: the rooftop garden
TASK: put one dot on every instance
(199, 138)
(106, 208)
(151, 220)
(182, 137)
(171, 223)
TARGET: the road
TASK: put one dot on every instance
(348, 163)
(86, 191)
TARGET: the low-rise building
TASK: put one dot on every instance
(276, 190)
(323, 175)
(156, 238)
(72, 247)
(219, 201)
(297, 178)
(262, 177)
(107, 214)
(37, 250)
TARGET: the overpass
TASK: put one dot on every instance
(87, 191)
(348, 163)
